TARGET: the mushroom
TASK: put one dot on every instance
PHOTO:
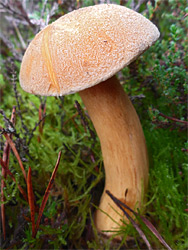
(81, 52)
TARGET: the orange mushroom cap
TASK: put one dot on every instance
(84, 48)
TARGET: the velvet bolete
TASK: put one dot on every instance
(81, 52)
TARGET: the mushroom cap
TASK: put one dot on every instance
(83, 48)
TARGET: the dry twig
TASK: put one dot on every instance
(172, 118)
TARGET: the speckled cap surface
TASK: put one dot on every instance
(84, 48)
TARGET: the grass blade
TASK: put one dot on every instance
(42, 113)
(31, 200)
(47, 192)
(146, 222)
(155, 232)
(118, 203)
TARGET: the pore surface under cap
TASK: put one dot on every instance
(83, 48)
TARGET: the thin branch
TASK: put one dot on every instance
(84, 121)
(23, 44)
(9, 122)
(35, 127)
(140, 2)
(22, 14)
(17, 99)
(171, 118)
(10, 46)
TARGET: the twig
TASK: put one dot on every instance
(171, 118)
(155, 9)
(162, 124)
(22, 14)
(10, 46)
(184, 150)
(43, 8)
(23, 44)
(84, 121)
(35, 127)
(46, 195)
(72, 118)
(140, 2)
(9, 122)
(17, 99)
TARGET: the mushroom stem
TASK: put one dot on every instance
(123, 149)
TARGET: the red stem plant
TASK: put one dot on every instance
(5, 161)
(29, 197)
